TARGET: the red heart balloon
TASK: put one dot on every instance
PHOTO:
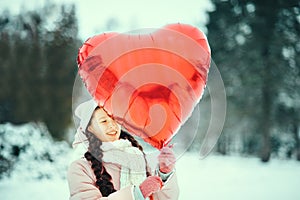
(149, 82)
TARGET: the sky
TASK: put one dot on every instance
(130, 14)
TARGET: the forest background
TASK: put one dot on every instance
(255, 45)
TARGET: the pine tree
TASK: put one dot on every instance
(38, 67)
(5, 53)
(60, 52)
(247, 46)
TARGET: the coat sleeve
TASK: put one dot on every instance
(170, 189)
(82, 185)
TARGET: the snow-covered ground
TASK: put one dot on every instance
(235, 178)
(39, 166)
(213, 178)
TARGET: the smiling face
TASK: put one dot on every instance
(104, 127)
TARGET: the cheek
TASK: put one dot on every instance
(96, 128)
(101, 128)
(99, 133)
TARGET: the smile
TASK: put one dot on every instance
(112, 133)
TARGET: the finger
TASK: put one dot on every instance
(166, 150)
(157, 180)
(167, 160)
(170, 156)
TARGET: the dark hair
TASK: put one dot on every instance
(95, 154)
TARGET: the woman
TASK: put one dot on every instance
(114, 166)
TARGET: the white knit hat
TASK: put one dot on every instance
(84, 112)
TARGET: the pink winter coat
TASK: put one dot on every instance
(81, 179)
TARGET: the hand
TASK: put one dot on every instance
(166, 160)
(151, 185)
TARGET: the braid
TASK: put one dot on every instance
(125, 135)
(94, 155)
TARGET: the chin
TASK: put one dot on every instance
(113, 139)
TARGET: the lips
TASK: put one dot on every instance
(112, 133)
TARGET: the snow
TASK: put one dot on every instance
(215, 177)
(45, 189)
(31, 152)
(236, 178)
